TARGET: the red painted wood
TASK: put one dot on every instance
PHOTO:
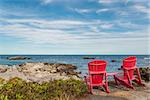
(97, 75)
(129, 68)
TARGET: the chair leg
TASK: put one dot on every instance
(115, 80)
(139, 80)
(90, 89)
(125, 83)
(106, 84)
(106, 88)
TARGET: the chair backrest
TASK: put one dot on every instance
(97, 66)
(129, 63)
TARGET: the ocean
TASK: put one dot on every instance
(77, 60)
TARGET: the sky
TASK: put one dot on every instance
(74, 27)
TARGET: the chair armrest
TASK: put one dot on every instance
(130, 68)
(97, 72)
(113, 73)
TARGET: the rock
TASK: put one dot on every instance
(113, 60)
(120, 68)
(73, 73)
(88, 58)
(42, 72)
(64, 67)
(18, 58)
(46, 63)
(3, 70)
(75, 77)
(63, 74)
(145, 73)
(53, 71)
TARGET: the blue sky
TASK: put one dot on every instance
(74, 27)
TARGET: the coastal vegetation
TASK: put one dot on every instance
(18, 89)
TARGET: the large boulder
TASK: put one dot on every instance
(40, 72)
(18, 58)
(113, 60)
(49, 67)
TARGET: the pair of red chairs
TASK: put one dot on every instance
(98, 75)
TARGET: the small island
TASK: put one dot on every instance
(18, 58)
(88, 57)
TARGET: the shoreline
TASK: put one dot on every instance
(39, 72)
(47, 72)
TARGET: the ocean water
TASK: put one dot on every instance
(142, 60)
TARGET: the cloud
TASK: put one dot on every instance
(81, 11)
(39, 31)
(47, 1)
(102, 10)
(141, 8)
(107, 26)
(59, 1)
(74, 26)
(107, 1)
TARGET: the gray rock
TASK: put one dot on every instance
(3, 70)
(40, 72)
(53, 71)
(88, 57)
(18, 58)
(113, 60)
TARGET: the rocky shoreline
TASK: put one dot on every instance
(39, 72)
(44, 72)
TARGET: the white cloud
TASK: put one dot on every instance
(107, 1)
(102, 10)
(107, 26)
(74, 36)
(58, 1)
(141, 8)
(62, 31)
(47, 1)
(81, 11)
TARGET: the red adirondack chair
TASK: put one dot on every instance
(97, 75)
(129, 69)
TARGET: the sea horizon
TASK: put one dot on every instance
(76, 54)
